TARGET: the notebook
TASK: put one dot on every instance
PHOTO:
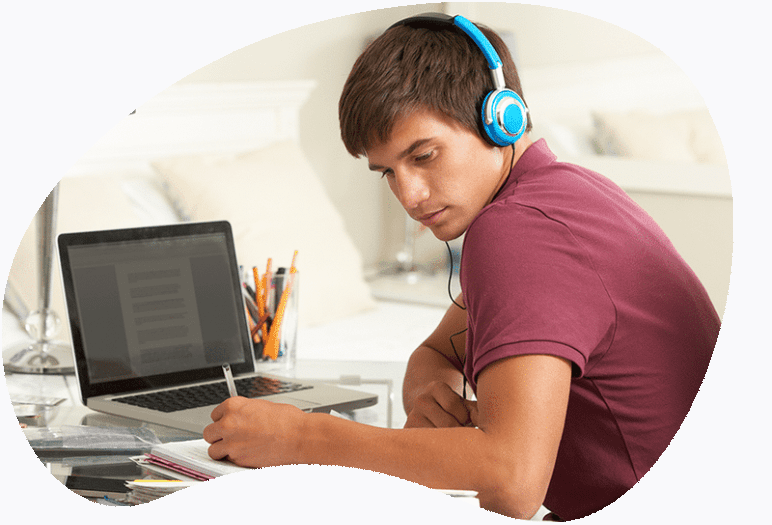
(154, 313)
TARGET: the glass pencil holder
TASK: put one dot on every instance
(277, 350)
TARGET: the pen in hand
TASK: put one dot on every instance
(226, 368)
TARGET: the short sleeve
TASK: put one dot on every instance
(530, 287)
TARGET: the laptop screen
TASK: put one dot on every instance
(151, 302)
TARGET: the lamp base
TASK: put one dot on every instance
(39, 357)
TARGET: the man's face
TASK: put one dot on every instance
(441, 173)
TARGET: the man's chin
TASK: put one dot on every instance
(446, 234)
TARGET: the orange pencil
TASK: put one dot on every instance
(259, 291)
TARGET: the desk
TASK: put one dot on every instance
(383, 379)
(343, 353)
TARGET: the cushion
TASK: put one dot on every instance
(276, 205)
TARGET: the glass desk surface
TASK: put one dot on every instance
(96, 473)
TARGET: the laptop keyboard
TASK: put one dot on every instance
(210, 394)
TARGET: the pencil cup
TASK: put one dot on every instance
(279, 349)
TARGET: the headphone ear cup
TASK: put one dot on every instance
(504, 116)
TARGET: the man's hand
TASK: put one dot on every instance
(434, 377)
(254, 432)
(439, 406)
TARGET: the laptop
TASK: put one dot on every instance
(155, 312)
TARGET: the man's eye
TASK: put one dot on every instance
(425, 156)
(386, 173)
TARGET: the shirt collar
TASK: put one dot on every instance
(537, 155)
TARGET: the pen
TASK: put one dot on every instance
(254, 311)
(267, 277)
(226, 368)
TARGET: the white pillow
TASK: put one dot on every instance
(685, 136)
(87, 203)
(706, 141)
(564, 140)
(276, 205)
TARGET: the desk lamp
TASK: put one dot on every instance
(42, 355)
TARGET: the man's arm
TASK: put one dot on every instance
(434, 378)
(508, 459)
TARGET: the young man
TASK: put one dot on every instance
(583, 334)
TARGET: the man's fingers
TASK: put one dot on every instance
(212, 433)
(453, 404)
(416, 420)
(439, 407)
(217, 450)
(474, 415)
(219, 411)
(223, 408)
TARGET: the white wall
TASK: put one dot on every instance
(325, 52)
(539, 37)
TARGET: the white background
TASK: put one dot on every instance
(77, 68)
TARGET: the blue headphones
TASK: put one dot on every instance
(504, 115)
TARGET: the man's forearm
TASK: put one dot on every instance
(507, 456)
(457, 458)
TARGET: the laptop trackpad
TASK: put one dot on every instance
(302, 404)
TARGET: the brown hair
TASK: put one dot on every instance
(407, 69)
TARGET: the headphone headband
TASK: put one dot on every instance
(439, 21)
(504, 113)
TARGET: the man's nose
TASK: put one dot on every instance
(410, 189)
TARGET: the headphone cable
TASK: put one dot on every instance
(450, 293)
(452, 344)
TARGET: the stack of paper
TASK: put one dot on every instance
(185, 461)
(146, 490)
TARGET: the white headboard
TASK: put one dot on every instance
(655, 105)
(569, 93)
(199, 118)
